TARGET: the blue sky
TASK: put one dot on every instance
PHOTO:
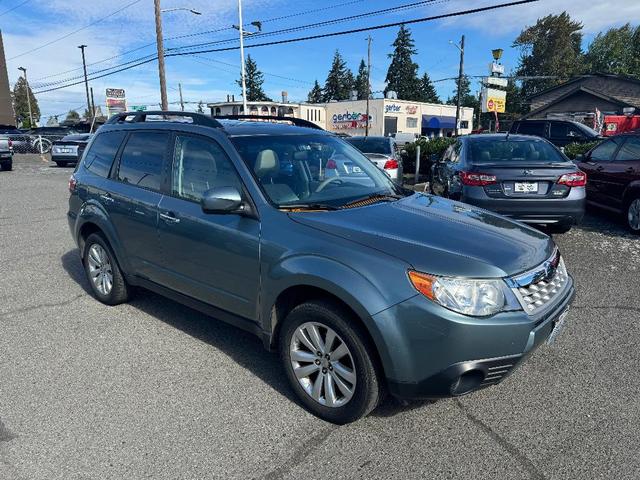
(291, 67)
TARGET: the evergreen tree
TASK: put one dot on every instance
(339, 81)
(21, 105)
(615, 51)
(253, 82)
(552, 47)
(467, 99)
(402, 76)
(72, 116)
(362, 82)
(315, 95)
(200, 107)
(427, 91)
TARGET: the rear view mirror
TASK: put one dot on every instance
(222, 200)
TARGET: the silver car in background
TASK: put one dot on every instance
(383, 152)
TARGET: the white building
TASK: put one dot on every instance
(387, 116)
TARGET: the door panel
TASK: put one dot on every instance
(621, 171)
(594, 165)
(211, 257)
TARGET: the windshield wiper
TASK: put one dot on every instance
(374, 198)
(308, 206)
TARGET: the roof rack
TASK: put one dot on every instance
(137, 117)
(298, 122)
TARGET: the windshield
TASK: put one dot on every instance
(496, 150)
(307, 170)
(371, 145)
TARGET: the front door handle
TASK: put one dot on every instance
(169, 217)
(630, 170)
(107, 198)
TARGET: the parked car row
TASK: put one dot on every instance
(361, 285)
(39, 140)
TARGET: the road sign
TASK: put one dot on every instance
(116, 101)
(493, 100)
(137, 108)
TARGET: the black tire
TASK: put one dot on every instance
(119, 292)
(628, 215)
(368, 390)
(560, 227)
(62, 164)
(6, 166)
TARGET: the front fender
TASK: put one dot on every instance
(94, 213)
(632, 191)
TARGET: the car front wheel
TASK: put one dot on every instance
(325, 355)
(633, 215)
(103, 272)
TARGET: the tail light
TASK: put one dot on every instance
(474, 179)
(575, 179)
(331, 165)
(391, 164)
(72, 184)
(10, 143)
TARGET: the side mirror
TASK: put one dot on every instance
(579, 157)
(222, 200)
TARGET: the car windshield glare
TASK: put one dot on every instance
(311, 170)
(371, 145)
(500, 150)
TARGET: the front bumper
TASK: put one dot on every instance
(431, 352)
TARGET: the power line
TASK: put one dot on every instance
(14, 8)
(312, 37)
(75, 31)
(147, 45)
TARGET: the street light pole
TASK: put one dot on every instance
(24, 71)
(242, 70)
(460, 75)
(86, 82)
(164, 104)
(366, 128)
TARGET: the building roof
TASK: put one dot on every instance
(573, 91)
(581, 78)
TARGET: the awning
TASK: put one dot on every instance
(438, 121)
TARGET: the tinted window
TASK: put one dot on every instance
(605, 151)
(630, 150)
(100, 156)
(532, 128)
(558, 130)
(501, 150)
(141, 160)
(371, 144)
(200, 165)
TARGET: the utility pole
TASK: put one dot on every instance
(164, 104)
(86, 82)
(181, 101)
(244, 85)
(366, 128)
(460, 75)
(24, 71)
(93, 112)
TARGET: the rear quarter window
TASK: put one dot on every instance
(532, 128)
(101, 153)
(142, 159)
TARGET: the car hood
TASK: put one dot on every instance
(438, 236)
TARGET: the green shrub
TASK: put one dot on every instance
(574, 149)
(430, 149)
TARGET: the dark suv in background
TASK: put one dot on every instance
(558, 132)
(361, 286)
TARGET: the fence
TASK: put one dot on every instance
(31, 143)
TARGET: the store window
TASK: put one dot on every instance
(412, 122)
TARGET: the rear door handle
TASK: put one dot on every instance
(107, 198)
(630, 170)
(169, 217)
(600, 168)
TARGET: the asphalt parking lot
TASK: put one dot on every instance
(153, 389)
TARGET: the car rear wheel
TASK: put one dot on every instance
(325, 356)
(6, 166)
(62, 164)
(103, 272)
(560, 227)
(633, 215)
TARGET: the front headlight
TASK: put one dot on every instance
(473, 297)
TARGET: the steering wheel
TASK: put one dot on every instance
(326, 182)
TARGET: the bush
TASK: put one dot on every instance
(574, 149)
(430, 150)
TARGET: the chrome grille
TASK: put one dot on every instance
(539, 288)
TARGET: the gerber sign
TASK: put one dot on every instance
(349, 120)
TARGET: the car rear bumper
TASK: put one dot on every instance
(71, 158)
(546, 210)
(431, 352)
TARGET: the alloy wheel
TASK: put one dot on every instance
(633, 215)
(323, 364)
(100, 270)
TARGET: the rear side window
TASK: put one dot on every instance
(142, 159)
(532, 128)
(100, 155)
(630, 150)
(604, 152)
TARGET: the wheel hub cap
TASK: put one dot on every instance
(323, 364)
(100, 270)
(634, 214)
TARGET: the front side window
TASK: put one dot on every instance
(605, 151)
(630, 150)
(103, 149)
(532, 128)
(199, 165)
(307, 170)
(142, 159)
